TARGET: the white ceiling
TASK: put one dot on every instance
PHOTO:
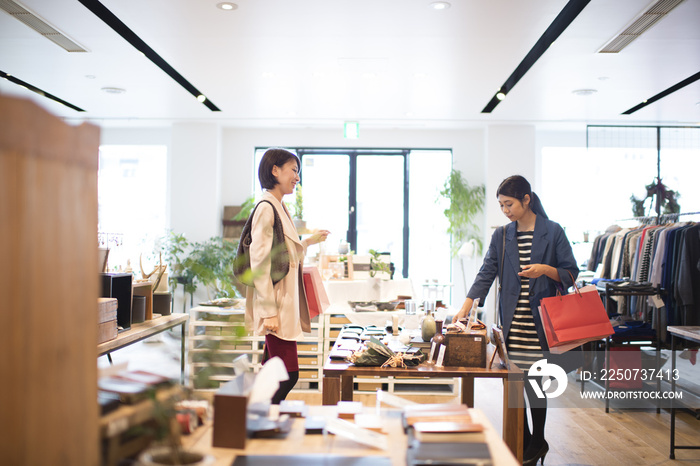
(308, 63)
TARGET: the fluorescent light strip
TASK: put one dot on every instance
(130, 36)
(560, 23)
(41, 92)
(663, 94)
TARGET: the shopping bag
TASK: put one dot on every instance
(316, 295)
(574, 319)
(625, 371)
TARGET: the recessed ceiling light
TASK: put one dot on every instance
(113, 90)
(228, 6)
(201, 98)
(440, 5)
(500, 96)
(584, 92)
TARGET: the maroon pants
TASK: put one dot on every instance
(285, 349)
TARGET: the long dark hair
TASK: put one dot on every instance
(517, 186)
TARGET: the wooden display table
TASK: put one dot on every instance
(691, 334)
(297, 443)
(141, 331)
(338, 385)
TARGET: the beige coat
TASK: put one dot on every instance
(287, 298)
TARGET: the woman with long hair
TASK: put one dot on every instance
(532, 258)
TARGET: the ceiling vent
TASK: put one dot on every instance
(642, 23)
(20, 13)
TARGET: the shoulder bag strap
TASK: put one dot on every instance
(500, 274)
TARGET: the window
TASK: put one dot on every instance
(587, 190)
(384, 199)
(132, 183)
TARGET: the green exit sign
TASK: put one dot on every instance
(352, 130)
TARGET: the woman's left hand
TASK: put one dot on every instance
(318, 237)
(537, 270)
(533, 270)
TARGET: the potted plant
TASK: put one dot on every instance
(466, 202)
(661, 200)
(377, 266)
(298, 210)
(208, 263)
(246, 209)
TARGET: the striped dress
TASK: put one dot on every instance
(523, 345)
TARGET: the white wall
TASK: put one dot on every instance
(195, 190)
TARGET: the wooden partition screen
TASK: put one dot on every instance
(48, 288)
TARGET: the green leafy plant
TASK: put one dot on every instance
(376, 264)
(208, 263)
(246, 209)
(299, 203)
(466, 202)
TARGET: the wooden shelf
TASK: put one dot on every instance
(139, 332)
(217, 336)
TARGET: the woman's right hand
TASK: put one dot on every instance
(318, 237)
(271, 324)
(464, 311)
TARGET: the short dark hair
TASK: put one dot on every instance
(273, 157)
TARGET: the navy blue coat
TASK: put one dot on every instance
(549, 246)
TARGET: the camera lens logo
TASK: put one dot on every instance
(547, 371)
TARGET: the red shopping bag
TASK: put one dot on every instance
(625, 369)
(316, 296)
(574, 319)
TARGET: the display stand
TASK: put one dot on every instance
(610, 291)
(217, 337)
(691, 334)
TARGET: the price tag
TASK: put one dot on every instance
(441, 355)
(657, 301)
(432, 351)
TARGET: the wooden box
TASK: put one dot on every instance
(230, 412)
(106, 319)
(465, 349)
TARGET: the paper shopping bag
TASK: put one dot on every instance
(316, 295)
(625, 371)
(574, 319)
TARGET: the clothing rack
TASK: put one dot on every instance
(659, 219)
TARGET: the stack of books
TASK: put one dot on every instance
(445, 434)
